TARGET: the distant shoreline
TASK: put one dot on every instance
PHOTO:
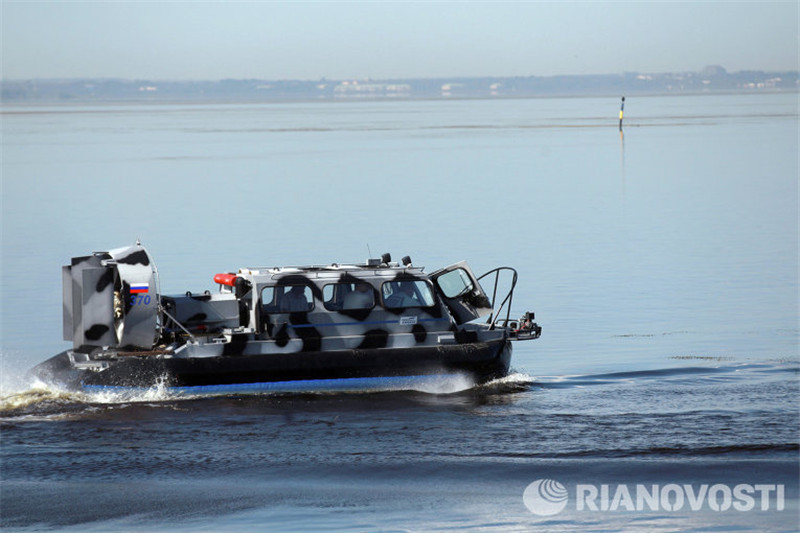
(710, 80)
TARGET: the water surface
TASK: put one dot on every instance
(662, 266)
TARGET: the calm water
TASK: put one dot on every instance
(663, 268)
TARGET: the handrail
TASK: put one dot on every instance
(509, 297)
(175, 321)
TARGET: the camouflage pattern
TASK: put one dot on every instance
(99, 308)
(269, 324)
(326, 327)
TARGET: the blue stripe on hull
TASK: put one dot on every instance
(307, 385)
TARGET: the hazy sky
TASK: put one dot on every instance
(310, 40)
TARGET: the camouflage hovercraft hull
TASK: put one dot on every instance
(335, 327)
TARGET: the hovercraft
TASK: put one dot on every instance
(298, 328)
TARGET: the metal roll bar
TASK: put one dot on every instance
(509, 297)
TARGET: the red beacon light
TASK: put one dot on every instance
(225, 279)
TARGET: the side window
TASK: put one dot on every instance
(407, 294)
(295, 298)
(288, 299)
(268, 303)
(455, 283)
(344, 296)
(331, 297)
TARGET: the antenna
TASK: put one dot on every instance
(369, 252)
